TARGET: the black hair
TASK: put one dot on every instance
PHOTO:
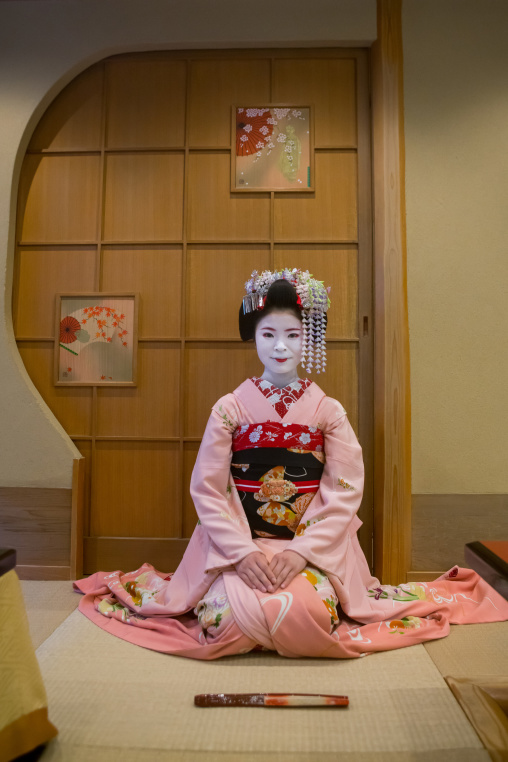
(280, 296)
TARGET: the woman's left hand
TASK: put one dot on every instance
(286, 566)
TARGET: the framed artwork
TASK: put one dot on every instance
(96, 339)
(272, 148)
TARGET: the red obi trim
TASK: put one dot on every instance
(273, 434)
(247, 486)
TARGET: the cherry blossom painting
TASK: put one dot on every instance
(96, 339)
(272, 149)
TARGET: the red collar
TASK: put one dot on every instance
(282, 399)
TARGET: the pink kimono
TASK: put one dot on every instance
(306, 499)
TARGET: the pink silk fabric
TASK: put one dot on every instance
(155, 610)
(294, 622)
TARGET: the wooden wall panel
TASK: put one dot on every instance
(341, 378)
(190, 517)
(42, 273)
(39, 544)
(150, 409)
(36, 522)
(143, 197)
(145, 103)
(215, 86)
(43, 573)
(71, 406)
(156, 274)
(215, 213)
(73, 120)
(59, 198)
(225, 367)
(144, 189)
(338, 268)
(329, 85)
(328, 214)
(129, 553)
(215, 284)
(134, 493)
(423, 576)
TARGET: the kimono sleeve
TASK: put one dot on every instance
(224, 522)
(323, 536)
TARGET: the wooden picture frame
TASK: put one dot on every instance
(272, 148)
(96, 339)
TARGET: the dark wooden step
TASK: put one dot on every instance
(490, 560)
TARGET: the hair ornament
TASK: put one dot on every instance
(313, 300)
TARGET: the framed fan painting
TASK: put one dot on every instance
(96, 339)
(272, 148)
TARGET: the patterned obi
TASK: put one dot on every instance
(276, 468)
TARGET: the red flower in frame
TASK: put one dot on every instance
(68, 327)
(252, 131)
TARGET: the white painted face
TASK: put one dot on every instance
(279, 346)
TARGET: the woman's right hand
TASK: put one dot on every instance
(255, 571)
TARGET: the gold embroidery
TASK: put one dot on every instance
(343, 483)
(302, 527)
(279, 490)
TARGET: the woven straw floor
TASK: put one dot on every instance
(111, 700)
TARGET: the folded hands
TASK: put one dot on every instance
(268, 576)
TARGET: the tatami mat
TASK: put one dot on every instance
(47, 605)
(473, 650)
(112, 700)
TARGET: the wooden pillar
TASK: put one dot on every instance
(392, 403)
(78, 496)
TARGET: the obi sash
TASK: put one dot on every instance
(277, 469)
